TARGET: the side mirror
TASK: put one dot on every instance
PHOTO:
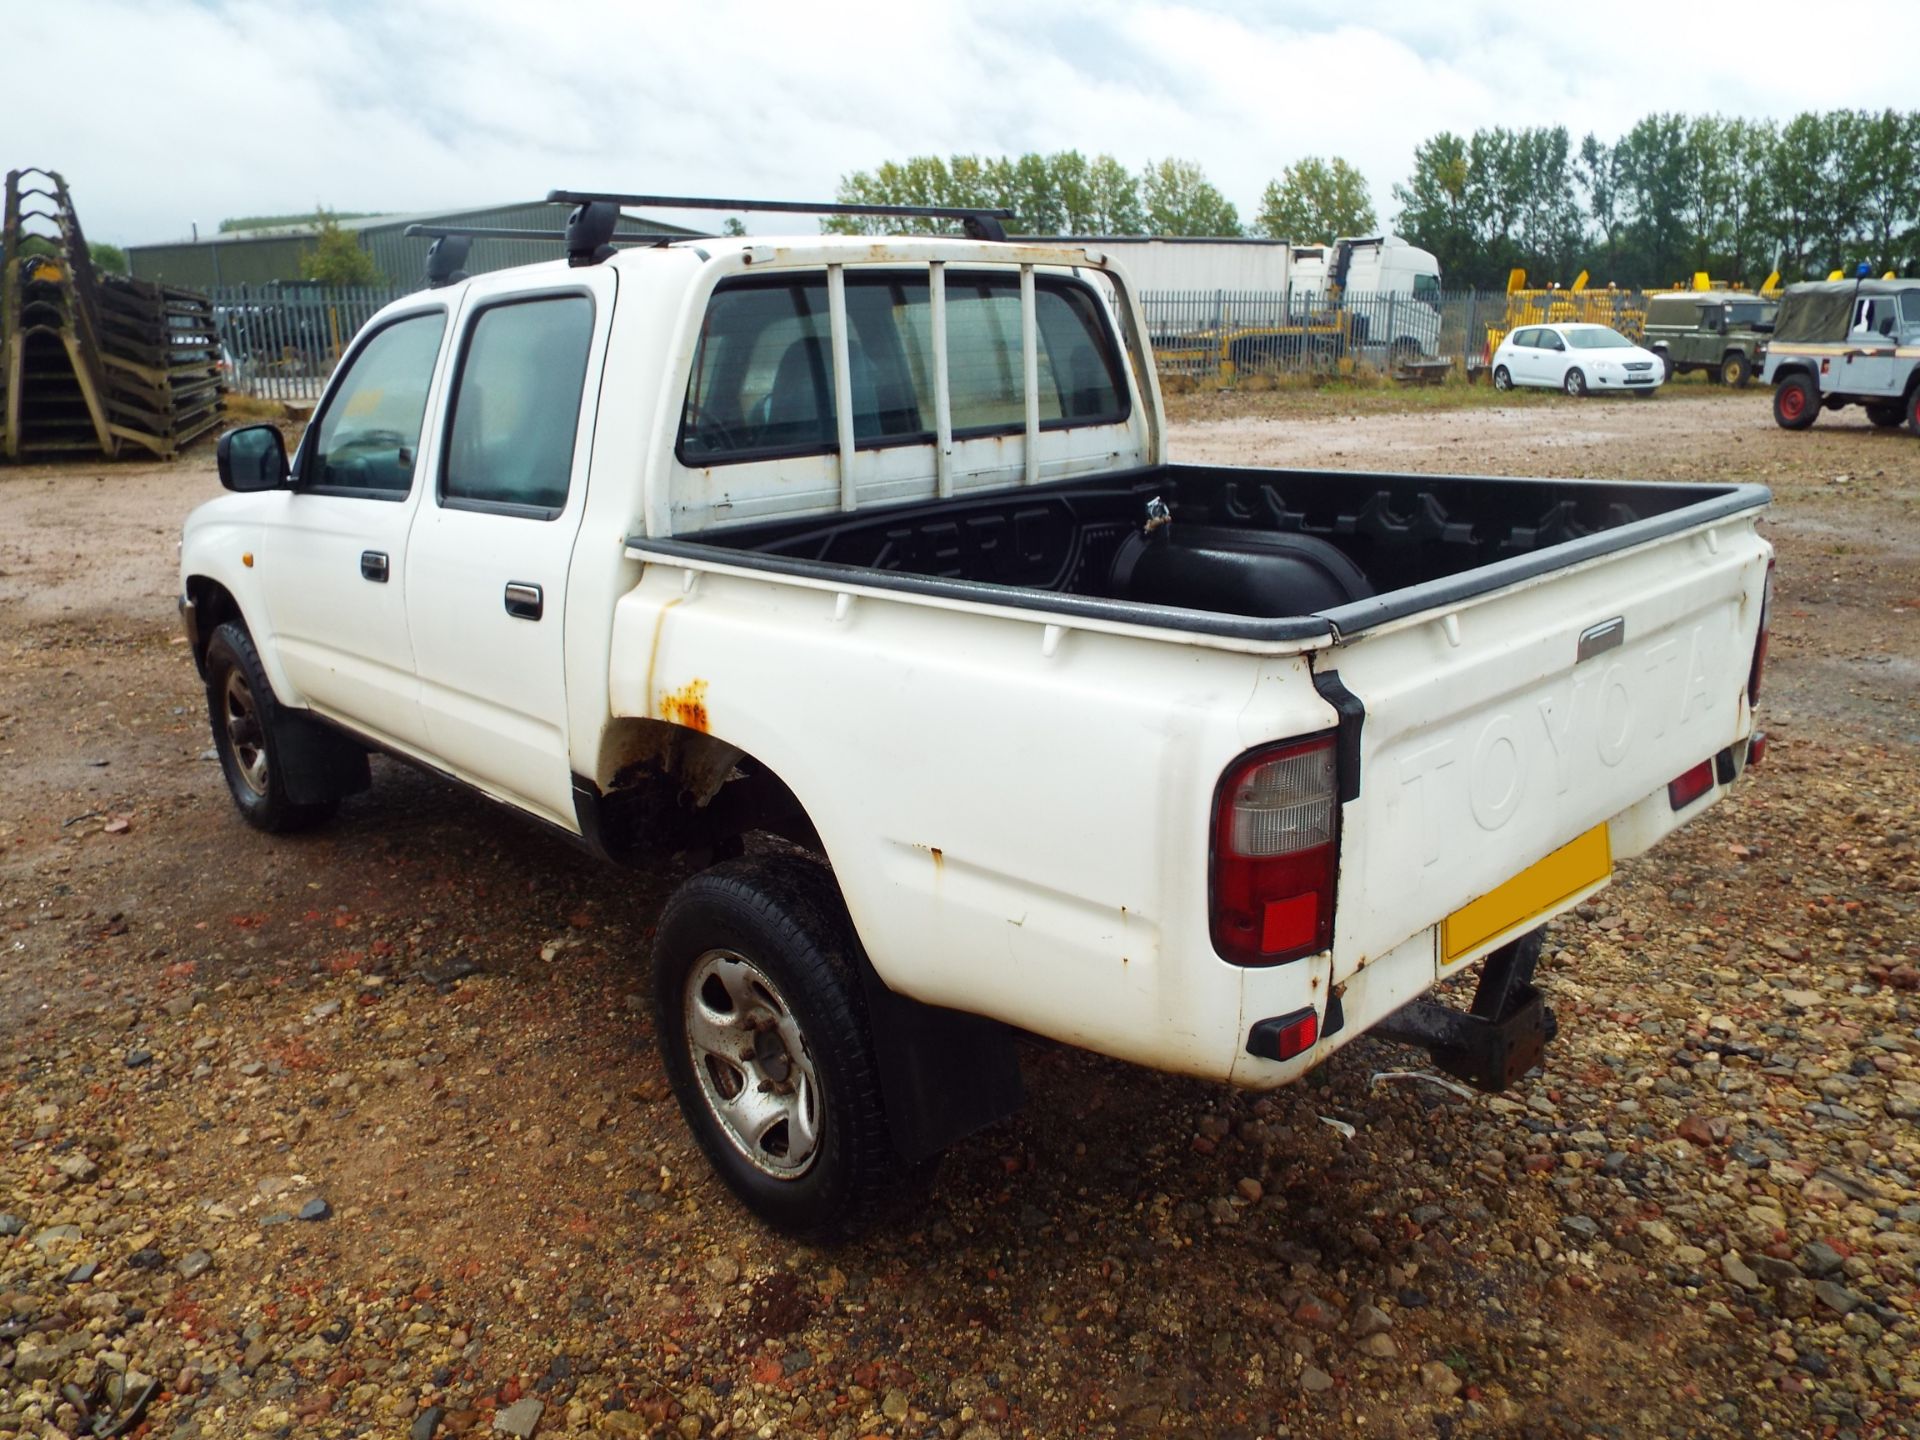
(252, 458)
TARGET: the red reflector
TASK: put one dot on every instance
(1756, 748)
(1299, 1037)
(1285, 1036)
(1289, 924)
(1689, 787)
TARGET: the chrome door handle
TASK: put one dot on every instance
(373, 566)
(524, 601)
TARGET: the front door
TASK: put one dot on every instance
(489, 555)
(332, 556)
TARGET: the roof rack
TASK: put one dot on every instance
(452, 242)
(979, 223)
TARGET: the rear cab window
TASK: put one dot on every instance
(762, 384)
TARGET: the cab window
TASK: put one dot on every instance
(763, 379)
(369, 435)
(516, 406)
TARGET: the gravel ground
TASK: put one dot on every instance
(362, 1133)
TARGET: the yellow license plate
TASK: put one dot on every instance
(1579, 865)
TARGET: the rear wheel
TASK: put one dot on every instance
(1501, 379)
(763, 1031)
(1575, 383)
(1887, 414)
(248, 725)
(1735, 369)
(1796, 402)
(1913, 410)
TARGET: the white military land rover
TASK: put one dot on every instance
(874, 544)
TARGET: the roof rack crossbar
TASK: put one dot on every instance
(980, 223)
(485, 232)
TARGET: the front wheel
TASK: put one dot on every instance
(1576, 382)
(1913, 410)
(1736, 369)
(1796, 402)
(1666, 366)
(248, 730)
(1501, 379)
(763, 1031)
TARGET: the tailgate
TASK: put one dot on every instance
(1503, 729)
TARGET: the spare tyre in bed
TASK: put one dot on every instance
(1234, 572)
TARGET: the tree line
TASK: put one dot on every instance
(1676, 194)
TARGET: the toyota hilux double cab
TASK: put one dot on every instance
(857, 569)
(1847, 342)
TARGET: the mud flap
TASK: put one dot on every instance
(1501, 1038)
(944, 1073)
(316, 761)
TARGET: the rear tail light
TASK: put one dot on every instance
(1760, 642)
(1687, 788)
(1275, 843)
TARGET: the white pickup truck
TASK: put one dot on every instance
(873, 546)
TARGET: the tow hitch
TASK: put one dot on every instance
(1503, 1035)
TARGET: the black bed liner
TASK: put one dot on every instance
(1424, 541)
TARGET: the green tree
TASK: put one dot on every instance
(336, 257)
(1655, 169)
(1597, 169)
(1316, 200)
(1437, 209)
(107, 259)
(1062, 193)
(1179, 200)
(1880, 171)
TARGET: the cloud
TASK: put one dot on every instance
(163, 113)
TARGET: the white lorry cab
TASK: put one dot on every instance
(855, 568)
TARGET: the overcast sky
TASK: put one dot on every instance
(162, 113)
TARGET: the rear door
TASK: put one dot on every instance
(1507, 729)
(489, 555)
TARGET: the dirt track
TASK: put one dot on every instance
(427, 1016)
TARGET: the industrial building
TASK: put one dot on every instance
(268, 256)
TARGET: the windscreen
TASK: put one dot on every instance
(763, 382)
(1598, 339)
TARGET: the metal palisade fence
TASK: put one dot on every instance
(281, 342)
(1220, 334)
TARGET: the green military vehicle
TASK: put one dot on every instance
(1723, 332)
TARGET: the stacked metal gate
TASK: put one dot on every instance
(93, 364)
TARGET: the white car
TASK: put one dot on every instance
(1579, 359)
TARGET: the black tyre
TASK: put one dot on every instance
(1913, 410)
(763, 1031)
(1796, 401)
(248, 726)
(1736, 369)
(1887, 414)
(1501, 379)
(1576, 382)
(1666, 366)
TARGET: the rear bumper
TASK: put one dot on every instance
(1381, 993)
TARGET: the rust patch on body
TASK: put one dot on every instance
(939, 857)
(686, 706)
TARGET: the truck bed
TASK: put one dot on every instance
(1364, 548)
